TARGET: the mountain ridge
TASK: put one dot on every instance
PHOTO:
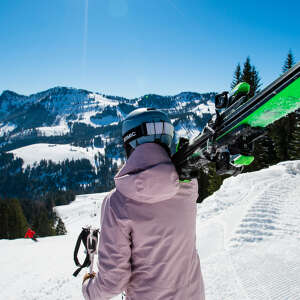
(58, 87)
(66, 113)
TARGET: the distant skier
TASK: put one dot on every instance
(147, 242)
(30, 234)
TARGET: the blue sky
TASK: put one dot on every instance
(134, 47)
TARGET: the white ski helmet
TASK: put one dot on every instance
(147, 125)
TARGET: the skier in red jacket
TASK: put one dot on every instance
(30, 234)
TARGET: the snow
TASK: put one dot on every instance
(208, 108)
(6, 128)
(61, 102)
(107, 120)
(103, 101)
(53, 130)
(181, 130)
(248, 238)
(89, 119)
(70, 106)
(55, 152)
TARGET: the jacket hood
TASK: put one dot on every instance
(148, 176)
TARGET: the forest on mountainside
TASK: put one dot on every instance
(28, 195)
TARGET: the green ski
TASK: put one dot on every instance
(238, 122)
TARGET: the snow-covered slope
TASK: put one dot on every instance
(248, 238)
(55, 152)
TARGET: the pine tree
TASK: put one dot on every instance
(285, 132)
(214, 180)
(251, 76)
(289, 61)
(42, 224)
(4, 227)
(17, 223)
(264, 154)
(246, 74)
(255, 81)
(60, 227)
(202, 178)
(280, 133)
(294, 143)
(236, 76)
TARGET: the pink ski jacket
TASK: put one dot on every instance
(147, 244)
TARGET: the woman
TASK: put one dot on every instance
(147, 243)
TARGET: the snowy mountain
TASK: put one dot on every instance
(248, 239)
(66, 115)
(70, 139)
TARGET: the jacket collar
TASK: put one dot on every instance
(143, 157)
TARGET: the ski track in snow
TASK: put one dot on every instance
(272, 214)
(248, 239)
(259, 257)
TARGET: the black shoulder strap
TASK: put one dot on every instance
(82, 237)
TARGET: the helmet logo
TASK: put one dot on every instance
(130, 135)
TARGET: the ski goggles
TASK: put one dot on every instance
(147, 129)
